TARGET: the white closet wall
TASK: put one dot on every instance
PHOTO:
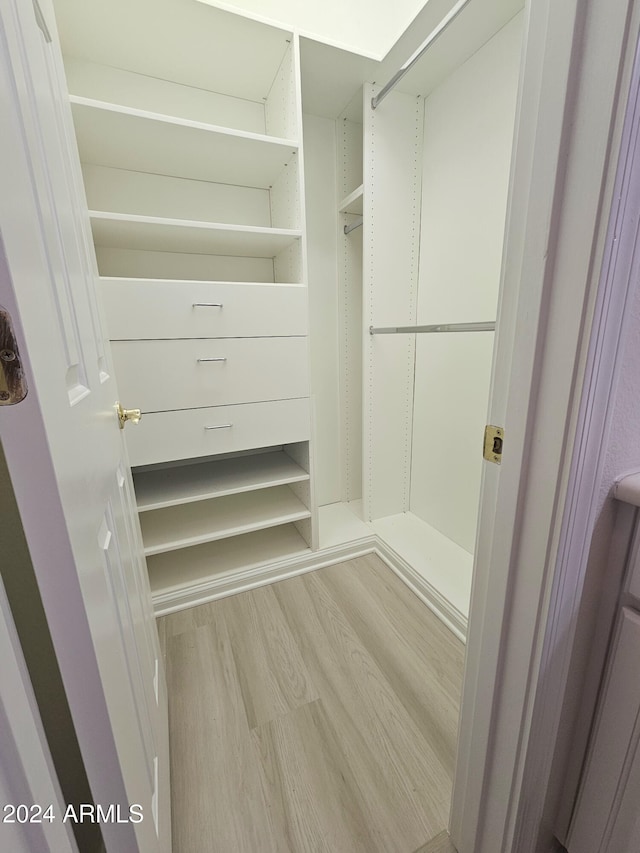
(468, 134)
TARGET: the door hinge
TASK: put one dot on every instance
(13, 384)
(493, 439)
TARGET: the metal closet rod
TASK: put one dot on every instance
(442, 327)
(352, 227)
(426, 44)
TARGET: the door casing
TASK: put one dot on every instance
(576, 73)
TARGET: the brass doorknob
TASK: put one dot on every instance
(124, 415)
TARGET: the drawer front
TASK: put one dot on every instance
(147, 309)
(157, 376)
(166, 436)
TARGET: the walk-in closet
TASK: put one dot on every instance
(422, 195)
(299, 268)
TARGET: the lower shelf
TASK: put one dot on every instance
(191, 524)
(201, 563)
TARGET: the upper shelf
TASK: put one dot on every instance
(179, 40)
(152, 233)
(138, 140)
(353, 202)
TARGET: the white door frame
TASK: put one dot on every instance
(27, 775)
(576, 72)
(557, 766)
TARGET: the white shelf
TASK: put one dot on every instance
(184, 42)
(228, 556)
(132, 281)
(205, 521)
(353, 202)
(142, 141)
(190, 483)
(152, 233)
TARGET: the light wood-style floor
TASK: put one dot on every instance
(317, 714)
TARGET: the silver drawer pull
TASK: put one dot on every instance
(206, 305)
(200, 360)
(220, 426)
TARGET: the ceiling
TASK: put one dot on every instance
(367, 27)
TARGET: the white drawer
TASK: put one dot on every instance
(165, 436)
(148, 309)
(157, 376)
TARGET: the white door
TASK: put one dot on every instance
(64, 447)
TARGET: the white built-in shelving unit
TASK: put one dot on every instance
(192, 165)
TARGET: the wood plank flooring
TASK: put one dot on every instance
(316, 714)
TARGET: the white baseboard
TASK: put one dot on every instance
(443, 609)
(232, 583)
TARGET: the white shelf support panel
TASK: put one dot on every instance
(167, 487)
(127, 138)
(221, 518)
(152, 233)
(349, 174)
(393, 166)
